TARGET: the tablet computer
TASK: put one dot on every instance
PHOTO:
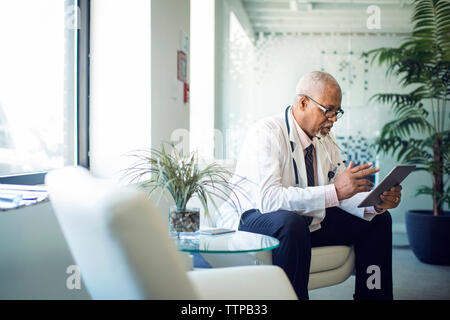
(396, 176)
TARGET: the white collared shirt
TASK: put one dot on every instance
(265, 177)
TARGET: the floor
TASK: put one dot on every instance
(413, 280)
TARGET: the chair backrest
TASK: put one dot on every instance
(117, 238)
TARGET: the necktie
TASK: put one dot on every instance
(310, 165)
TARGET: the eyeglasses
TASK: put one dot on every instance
(328, 113)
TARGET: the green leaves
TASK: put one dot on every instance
(404, 126)
(441, 197)
(423, 63)
(432, 27)
(426, 53)
(180, 176)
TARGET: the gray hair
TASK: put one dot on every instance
(314, 82)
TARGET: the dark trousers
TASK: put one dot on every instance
(372, 242)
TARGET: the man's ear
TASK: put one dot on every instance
(302, 103)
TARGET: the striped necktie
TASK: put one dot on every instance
(310, 165)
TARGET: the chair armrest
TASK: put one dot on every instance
(263, 282)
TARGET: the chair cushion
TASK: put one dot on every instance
(329, 257)
(263, 282)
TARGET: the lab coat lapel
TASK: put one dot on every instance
(321, 163)
(298, 152)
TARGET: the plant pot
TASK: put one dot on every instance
(184, 224)
(429, 236)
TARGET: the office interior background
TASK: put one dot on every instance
(244, 58)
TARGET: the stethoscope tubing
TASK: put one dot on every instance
(331, 173)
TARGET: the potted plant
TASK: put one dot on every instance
(183, 178)
(420, 134)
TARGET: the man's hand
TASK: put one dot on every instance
(391, 198)
(351, 182)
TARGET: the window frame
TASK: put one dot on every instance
(83, 67)
(82, 100)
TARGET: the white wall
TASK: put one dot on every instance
(136, 99)
(169, 112)
(202, 89)
(120, 98)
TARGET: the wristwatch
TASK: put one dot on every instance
(379, 210)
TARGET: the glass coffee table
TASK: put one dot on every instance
(231, 249)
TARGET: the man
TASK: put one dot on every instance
(293, 185)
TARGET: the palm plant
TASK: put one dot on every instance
(420, 134)
(181, 176)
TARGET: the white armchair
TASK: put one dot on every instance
(330, 265)
(122, 247)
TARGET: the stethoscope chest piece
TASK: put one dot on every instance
(331, 175)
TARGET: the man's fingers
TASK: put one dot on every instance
(392, 193)
(360, 167)
(388, 198)
(392, 199)
(364, 182)
(396, 188)
(366, 172)
(383, 206)
(362, 189)
(350, 165)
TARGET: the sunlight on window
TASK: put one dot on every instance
(241, 51)
(34, 115)
(240, 80)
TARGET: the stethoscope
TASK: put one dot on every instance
(331, 173)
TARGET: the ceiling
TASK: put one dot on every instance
(299, 16)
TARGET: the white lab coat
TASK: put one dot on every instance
(265, 176)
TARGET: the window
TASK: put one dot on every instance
(43, 83)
